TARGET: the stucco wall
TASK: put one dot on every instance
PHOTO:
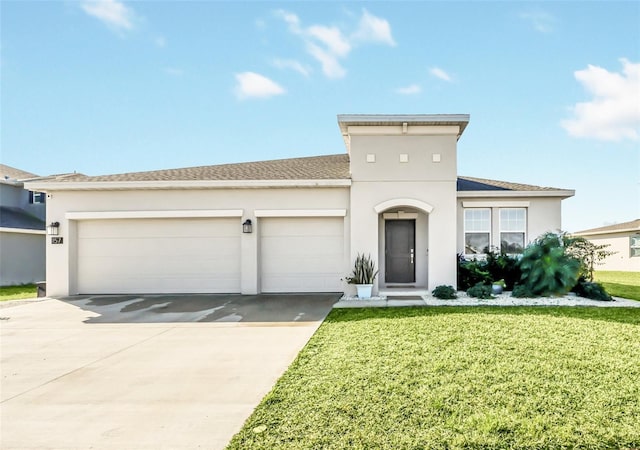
(389, 179)
(543, 215)
(18, 197)
(22, 258)
(621, 260)
(62, 259)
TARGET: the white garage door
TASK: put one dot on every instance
(302, 254)
(186, 255)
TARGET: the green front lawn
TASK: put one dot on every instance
(620, 284)
(454, 377)
(18, 292)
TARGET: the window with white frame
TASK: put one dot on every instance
(634, 246)
(477, 230)
(36, 197)
(513, 228)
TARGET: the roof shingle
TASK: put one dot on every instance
(632, 225)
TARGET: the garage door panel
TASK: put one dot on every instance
(159, 255)
(302, 254)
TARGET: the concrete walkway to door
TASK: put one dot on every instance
(145, 372)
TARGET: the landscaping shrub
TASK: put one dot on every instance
(444, 292)
(496, 266)
(591, 290)
(546, 268)
(503, 267)
(480, 290)
(522, 291)
(471, 272)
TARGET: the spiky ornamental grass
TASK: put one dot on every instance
(454, 378)
(364, 270)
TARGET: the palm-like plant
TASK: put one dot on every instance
(546, 267)
(364, 270)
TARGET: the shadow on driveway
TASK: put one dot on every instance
(205, 307)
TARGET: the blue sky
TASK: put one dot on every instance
(553, 88)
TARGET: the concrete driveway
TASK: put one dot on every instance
(145, 372)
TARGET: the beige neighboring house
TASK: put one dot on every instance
(623, 239)
(22, 230)
(395, 194)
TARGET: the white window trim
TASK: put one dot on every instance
(525, 231)
(464, 234)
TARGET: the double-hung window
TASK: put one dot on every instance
(513, 226)
(634, 245)
(477, 230)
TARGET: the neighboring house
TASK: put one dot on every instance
(22, 229)
(395, 194)
(623, 239)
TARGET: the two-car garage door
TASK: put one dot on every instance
(177, 255)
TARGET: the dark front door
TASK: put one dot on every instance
(400, 238)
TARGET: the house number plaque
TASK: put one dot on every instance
(56, 240)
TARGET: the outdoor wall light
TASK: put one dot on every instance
(247, 227)
(53, 228)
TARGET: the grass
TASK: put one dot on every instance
(620, 284)
(455, 377)
(18, 292)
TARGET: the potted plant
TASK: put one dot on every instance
(498, 286)
(364, 272)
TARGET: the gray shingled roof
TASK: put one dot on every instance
(329, 167)
(11, 217)
(632, 225)
(8, 172)
(483, 184)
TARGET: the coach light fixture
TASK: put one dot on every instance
(53, 228)
(247, 227)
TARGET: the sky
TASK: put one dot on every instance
(103, 87)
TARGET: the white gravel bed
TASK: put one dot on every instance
(498, 300)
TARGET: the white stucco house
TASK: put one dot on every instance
(623, 239)
(22, 235)
(394, 194)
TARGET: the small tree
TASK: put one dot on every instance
(588, 253)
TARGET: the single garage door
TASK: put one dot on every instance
(302, 254)
(185, 255)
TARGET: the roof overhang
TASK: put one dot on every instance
(597, 233)
(402, 121)
(44, 186)
(562, 193)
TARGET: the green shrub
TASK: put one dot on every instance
(594, 291)
(495, 266)
(503, 267)
(480, 290)
(522, 291)
(444, 292)
(471, 272)
(546, 268)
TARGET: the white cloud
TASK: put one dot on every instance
(613, 114)
(373, 29)
(254, 85)
(412, 89)
(111, 12)
(329, 62)
(328, 45)
(439, 73)
(541, 21)
(293, 65)
(332, 38)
